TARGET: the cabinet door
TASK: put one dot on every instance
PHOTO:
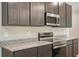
(75, 47)
(62, 52)
(37, 13)
(32, 52)
(52, 7)
(24, 13)
(62, 14)
(45, 51)
(13, 13)
(69, 51)
(68, 15)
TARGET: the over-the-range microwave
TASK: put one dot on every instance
(52, 19)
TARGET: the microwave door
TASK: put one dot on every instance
(51, 21)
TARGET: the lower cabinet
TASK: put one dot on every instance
(75, 47)
(72, 48)
(62, 52)
(41, 51)
(45, 51)
(69, 51)
(32, 52)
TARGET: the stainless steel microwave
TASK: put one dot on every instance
(52, 19)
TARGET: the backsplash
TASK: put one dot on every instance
(10, 33)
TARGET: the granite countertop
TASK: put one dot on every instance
(66, 38)
(15, 45)
(25, 45)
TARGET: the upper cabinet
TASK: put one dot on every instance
(65, 12)
(37, 13)
(61, 9)
(62, 13)
(24, 13)
(15, 13)
(68, 15)
(52, 7)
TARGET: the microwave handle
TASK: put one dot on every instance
(57, 21)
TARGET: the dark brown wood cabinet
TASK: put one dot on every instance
(65, 12)
(33, 13)
(40, 51)
(69, 48)
(31, 52)
(15, 13)
(68, 15)
(62, 52)
(52, 7)
(37, 13)
(75, 47)
(72, 48)
(69, 51)
(45, 51)
(24, 13)
(62, 13)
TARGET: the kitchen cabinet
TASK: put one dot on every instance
(45, 51)
(62, 13)
(72, 48)
(15, 13)
(40, 51)
(31, 52)
(24, 13)
(69, 48)
(34, 13)
(10, 13)
(68, 15)
(62, 52)
(52, 7)
(37, 13)
(75, 47)
(65, 12)
(62, 9)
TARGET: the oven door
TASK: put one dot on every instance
(59, 52)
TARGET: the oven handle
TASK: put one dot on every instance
(59, 46)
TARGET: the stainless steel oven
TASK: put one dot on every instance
(52, 19)
(59, 45)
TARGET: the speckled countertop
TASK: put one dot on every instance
(16, 45)
(25, 45)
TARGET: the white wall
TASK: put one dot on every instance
(74, 31)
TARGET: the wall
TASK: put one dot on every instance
(74, 31)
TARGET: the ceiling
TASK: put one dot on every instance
(75, 6)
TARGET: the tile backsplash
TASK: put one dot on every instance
(15, 32)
